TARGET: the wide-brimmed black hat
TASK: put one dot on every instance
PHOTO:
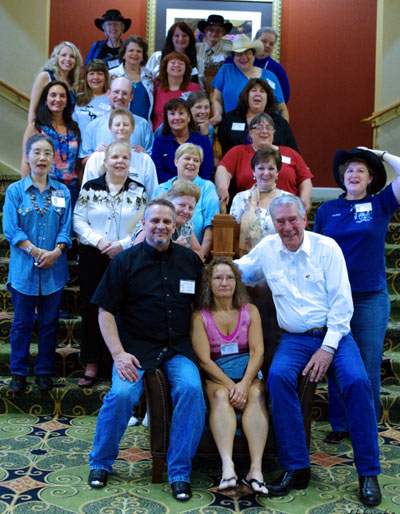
(113, 15)
(215, 20)
(373, 161)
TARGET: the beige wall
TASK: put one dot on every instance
(387, 80)
(24, 41)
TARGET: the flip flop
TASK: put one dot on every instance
(227, 488)
(88, 378)
(248, 484)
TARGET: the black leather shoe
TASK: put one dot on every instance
(98, 478)
(44, 382)
(370, 493)
(181, 491)
(297, 479)
(335, 437)
(17, 384)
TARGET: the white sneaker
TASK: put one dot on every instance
(133, 421)
(145, 421)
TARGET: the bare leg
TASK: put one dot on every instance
(90, 371)
(255, 427)
(223, 427)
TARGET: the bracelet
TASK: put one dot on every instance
(328, 349)
(382, 154)
(36, 263)
(29, 249)
(61, 246)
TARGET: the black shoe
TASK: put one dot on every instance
(335, 437)
(297, 479)
(370, 493)
(44, 382)
(181, 491)
(98, 478)
(17, 384)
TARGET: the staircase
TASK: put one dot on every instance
(68, 399)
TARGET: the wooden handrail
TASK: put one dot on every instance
(14, 96)
(384, 115)
(15, 91)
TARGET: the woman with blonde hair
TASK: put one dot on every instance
(64, 64)
(105, 215)
(93, 101)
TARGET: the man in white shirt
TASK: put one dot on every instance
(307, 275)
(96, 133)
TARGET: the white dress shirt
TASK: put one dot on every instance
(141, 169)
(310, 287)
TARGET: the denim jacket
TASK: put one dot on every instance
(21, 221)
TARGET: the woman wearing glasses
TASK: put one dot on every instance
(294, 176)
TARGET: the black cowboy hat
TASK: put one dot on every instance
(373, 161)
(215, 20)
(113, 15)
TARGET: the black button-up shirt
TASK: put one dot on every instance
(141, 287)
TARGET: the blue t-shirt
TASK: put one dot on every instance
(359, 227)
(230, 81)
(163, 155)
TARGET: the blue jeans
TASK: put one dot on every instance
(187, 418)
(291, 357)
(368, 326)
(21, 331)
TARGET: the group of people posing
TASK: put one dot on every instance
(127, 166)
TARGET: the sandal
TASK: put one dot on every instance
(229, 488)
(249, 485)
(90, 381)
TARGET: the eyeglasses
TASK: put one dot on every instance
(260, 128)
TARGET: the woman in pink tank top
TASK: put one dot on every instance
(227, 338)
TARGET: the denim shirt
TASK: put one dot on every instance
(21, 222)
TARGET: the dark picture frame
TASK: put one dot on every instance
(270, 11)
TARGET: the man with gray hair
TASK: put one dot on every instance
(145, 299)
(307, 275)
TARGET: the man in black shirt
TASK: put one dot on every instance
(151, 288)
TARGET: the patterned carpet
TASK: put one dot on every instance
(44, 469)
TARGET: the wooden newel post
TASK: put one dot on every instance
(224, 228)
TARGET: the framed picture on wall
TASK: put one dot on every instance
(247, 16)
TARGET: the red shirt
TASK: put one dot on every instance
(161, 98)
(293, 172)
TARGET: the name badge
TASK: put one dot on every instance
(272, 84)
(286, 160)
(113, 64)
(363, 207)
(238, 126)
(57, 199)
(187, 286)
(135, 189)
(105, 107)
(218, 58)
(229, 348)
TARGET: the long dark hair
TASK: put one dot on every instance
(190, 50)
(43, 115)
(243, 102)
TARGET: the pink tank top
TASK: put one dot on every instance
(240, 335)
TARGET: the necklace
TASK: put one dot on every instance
(47, 202)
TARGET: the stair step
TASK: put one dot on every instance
(70, 302)
(390, 369)
(66, 398)
(392, 337)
